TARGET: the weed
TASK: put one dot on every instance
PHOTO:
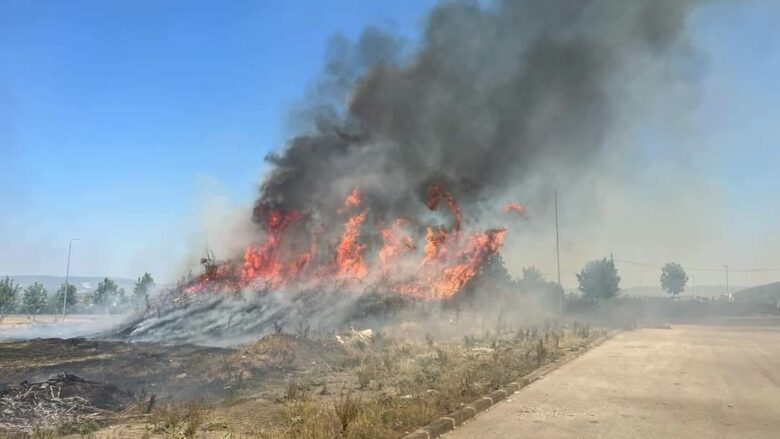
(443, 356)
(324, 391)
(541, 352)
(347, 409)
(295, 391)
(303, 328)
(150, 403)
(279, 326)
(364, 377)
(178, 420)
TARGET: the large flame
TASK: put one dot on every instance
(349, 252)
(360, 253)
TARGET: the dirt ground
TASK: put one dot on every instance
(281, 386)
(131, 366)
(690, 381)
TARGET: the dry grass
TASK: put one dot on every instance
(391, 386)
(347, 409)
(388, 385)
(178, 420)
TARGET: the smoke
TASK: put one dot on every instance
(497, 97)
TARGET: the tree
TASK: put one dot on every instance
(534, 282)
(55, 304)
(106, 292)
(9, 291)
(491, 277)
(599, 279)
(533, 278)
(34, 300)
(673, 278)
(143, 286)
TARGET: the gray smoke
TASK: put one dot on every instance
(495, 95)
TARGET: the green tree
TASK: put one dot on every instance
(34, 300)
(106, 292)
(599, 279)
(143, 286)
(9, 292)
(55, 303)
(673, 278)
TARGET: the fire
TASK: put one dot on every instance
(353, 198)
(471, 256)
(264, 261)
(435, 193)
(395, 242)
(360, 253)
(349, 253)
(516, 208)
(434, 248)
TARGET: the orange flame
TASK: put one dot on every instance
(434, 247)
(435, 193)
(263, 261)
(449, 259)
(353, 198)
(349, 253)
(516, 208)
(395, 242)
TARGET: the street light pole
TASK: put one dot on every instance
(558, 256)
(67, 273)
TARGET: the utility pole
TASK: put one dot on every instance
(558, 255)
(693, 284)
(67, 273)
(727, 281)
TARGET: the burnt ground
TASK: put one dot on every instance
(115, 376)
(415, 365)
(132, 367)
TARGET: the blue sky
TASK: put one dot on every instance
(116, 116)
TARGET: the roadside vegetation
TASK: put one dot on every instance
(377, 386)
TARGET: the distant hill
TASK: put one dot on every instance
(769, 293)
(84, 284)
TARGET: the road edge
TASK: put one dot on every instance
(455, 419)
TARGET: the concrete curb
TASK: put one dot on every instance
(451, 420)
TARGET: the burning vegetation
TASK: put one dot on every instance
(296, 253)
(407, 158)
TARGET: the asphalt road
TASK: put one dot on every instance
(690, 381)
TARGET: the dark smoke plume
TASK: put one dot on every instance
(492, 95)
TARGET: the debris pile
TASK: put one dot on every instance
(62, 399)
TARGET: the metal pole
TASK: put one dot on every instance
(727, 281)
(67, 273)
(558, 255)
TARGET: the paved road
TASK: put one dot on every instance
(684, 382)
